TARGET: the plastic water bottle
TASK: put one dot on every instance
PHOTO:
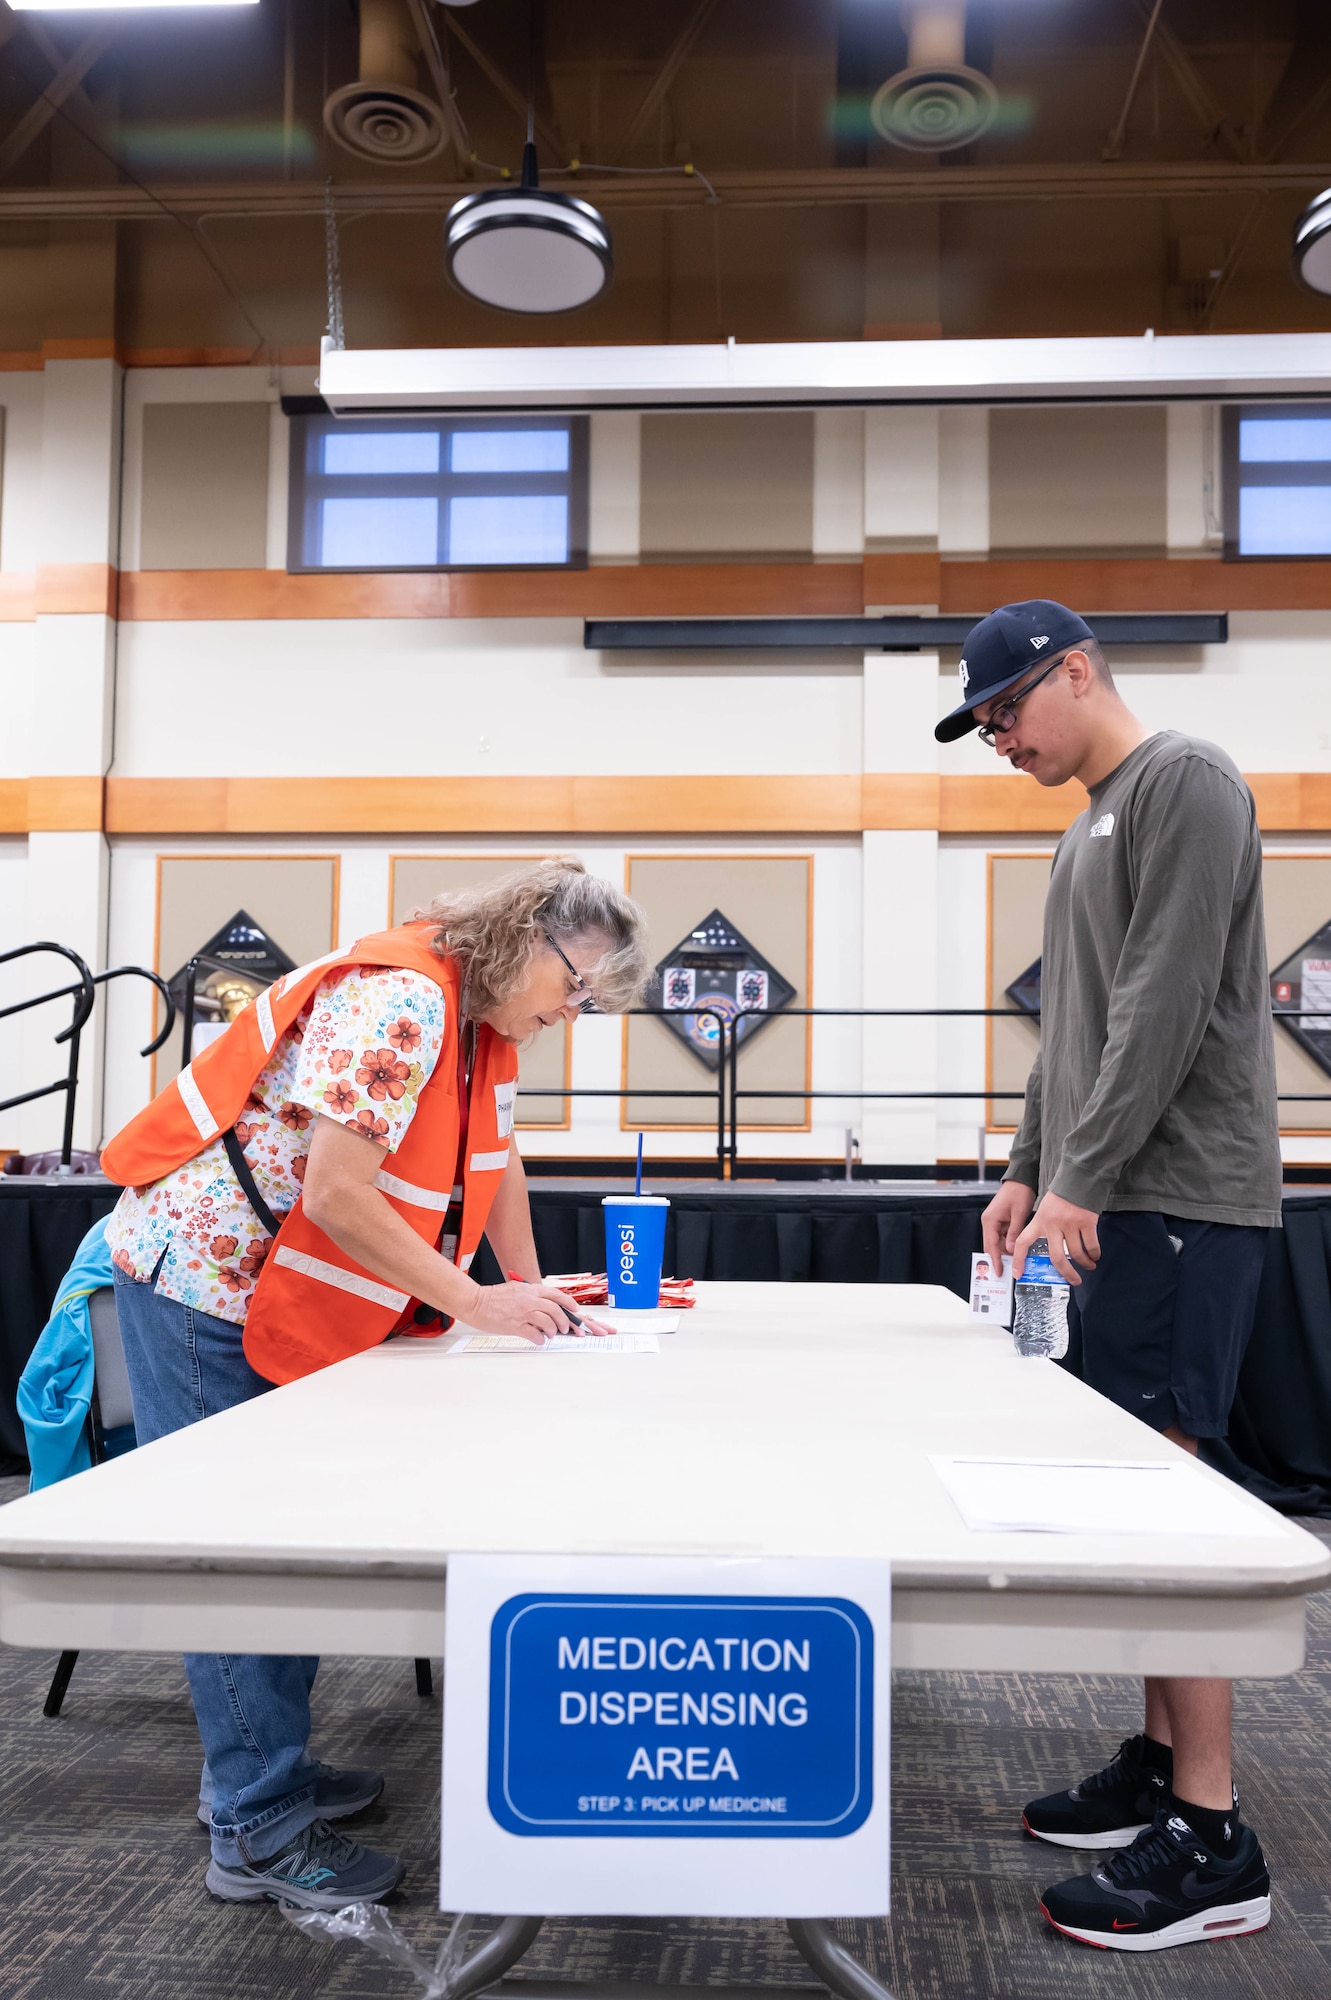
(1040, 1306)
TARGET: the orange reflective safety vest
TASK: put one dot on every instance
(312, 1305)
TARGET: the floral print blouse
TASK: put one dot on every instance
(360, 1051)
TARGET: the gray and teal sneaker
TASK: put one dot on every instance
(318, 1870)
(337, 1794)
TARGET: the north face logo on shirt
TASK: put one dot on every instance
(1104, 825)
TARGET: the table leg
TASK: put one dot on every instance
(848, 1979)
(491, 1960)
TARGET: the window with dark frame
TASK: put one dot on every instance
(418, 493)
(1277, 481)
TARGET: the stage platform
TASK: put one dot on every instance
(822, 1232)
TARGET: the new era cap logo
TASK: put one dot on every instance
(1037, 643)
(965, 678)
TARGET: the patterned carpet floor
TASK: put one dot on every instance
(102, 1859)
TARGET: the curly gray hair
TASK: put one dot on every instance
(495, 929)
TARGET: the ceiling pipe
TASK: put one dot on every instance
(938, 102)
(382, 116)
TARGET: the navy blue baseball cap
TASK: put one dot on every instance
(1003, 646)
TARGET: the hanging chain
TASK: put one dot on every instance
(335, 331)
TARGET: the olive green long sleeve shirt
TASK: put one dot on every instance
(1155, 1084)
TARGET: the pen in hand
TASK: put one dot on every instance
(516, 1278)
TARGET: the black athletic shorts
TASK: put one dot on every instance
(1160, 1326)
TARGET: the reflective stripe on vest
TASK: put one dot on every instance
(204, 1122)
(312, 1304)
(345, 1281)
(264, 1014)
(419, 1197)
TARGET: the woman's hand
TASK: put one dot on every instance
(533, 1312)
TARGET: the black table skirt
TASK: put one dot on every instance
(818, 1232)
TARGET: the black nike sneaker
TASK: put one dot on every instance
(1168, 1888)
(1107, 1810)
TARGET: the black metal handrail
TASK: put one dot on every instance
(84, 995)
(724, 1060)
(727, 1090)
(84, 991)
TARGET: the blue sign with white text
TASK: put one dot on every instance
(708, 1716)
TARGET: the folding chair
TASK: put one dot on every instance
(112, 1410)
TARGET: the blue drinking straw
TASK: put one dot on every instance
(637, 1185)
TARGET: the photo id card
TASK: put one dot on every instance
(991, 1289)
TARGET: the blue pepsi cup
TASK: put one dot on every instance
(634, 1245)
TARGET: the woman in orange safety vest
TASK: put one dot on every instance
(316, 1179)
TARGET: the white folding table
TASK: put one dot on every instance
(780, 1420)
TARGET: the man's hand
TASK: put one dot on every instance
(1071, 1234)
(1003, 1219)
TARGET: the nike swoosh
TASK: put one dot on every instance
(1196, 1890)
(1125, 1927)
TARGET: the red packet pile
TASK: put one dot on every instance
(589, 1288)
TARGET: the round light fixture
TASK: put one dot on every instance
(1312, 245)
(527, 249)
(934, 110)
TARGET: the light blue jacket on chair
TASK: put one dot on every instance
(55, 1389)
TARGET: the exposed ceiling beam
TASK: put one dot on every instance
(676, 56)
(437, 65)
(1211, 113)
(62, 86)
(508, 90)
(1114, 144)
(829, 187)
(1305, 83)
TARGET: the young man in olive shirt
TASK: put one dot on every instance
(1149, 1157)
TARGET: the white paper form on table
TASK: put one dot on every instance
(559, 1343)
(1001, 1496)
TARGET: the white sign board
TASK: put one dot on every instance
(666, 1736)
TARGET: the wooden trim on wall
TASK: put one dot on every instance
(681, 590)
(76, 587)
(614, 591)
(776, 803)
(501, 805)
(13, 805)
(1129, 583)
(66, 805)
(30, 360)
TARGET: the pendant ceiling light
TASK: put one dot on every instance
(1312, 244)
(527, 249)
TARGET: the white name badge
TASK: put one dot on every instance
(666, 1736)
(504, 1096)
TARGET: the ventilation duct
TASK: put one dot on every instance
(382, 116)
(937, 102)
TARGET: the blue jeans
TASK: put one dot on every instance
(253, 1709)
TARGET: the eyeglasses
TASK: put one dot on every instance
(587, 1006)
(1003, 718)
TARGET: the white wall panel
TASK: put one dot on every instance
(901, 478)
(838, 485)
(21, 394)
(615, 500)
(17, 650)
(16, 981)
(393, 696)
